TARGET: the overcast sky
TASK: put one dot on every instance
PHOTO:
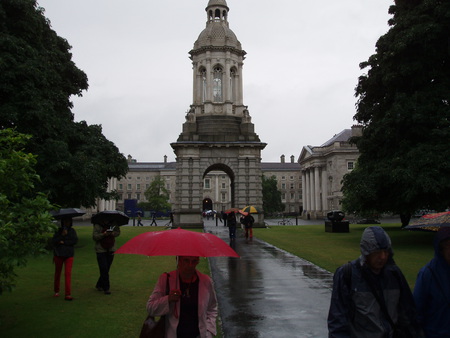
(301, 68)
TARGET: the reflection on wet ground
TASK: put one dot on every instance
(268, 292)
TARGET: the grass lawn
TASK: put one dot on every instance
(30, 310)
(412, 249)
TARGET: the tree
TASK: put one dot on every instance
(271, 195)
(157, 195)
(24, 218)
(38, 78)
(403, 105)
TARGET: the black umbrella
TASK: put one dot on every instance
(67, 212)
(109, 216)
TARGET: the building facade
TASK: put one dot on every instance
(216, 191)
(322, 170)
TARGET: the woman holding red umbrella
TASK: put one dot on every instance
(190, 308)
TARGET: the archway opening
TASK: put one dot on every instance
(218, 186)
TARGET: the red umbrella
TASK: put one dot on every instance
(177, 242)
(431, 222)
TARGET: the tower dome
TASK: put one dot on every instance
(217, 32)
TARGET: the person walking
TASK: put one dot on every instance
(225, 218)
(231, 222)
(139, 220)
(432, 289)
(248, 225)
(370, 296)
(63, 242)
(104, 235)
(190, 308)
(154, 219)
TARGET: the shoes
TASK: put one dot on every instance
(56, 294)
(69, 297)
(107, 292)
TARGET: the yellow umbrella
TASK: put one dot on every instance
(250, 209)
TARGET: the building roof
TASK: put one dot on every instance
(269, 166)
(343, 136)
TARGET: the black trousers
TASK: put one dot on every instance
(104, 260)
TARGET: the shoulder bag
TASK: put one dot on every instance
(152, 328)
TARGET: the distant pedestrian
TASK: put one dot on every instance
(231, 222)
(154, 219)
(139, 220)
(63, 242)
(371, 297)
(225, 218)
(248, 225)
(432, 289)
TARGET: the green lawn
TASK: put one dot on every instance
(412, 249)
(30, 310)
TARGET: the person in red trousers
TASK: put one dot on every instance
(64, 241)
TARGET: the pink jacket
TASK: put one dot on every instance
(158, 305)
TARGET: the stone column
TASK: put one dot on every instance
(325, 207)
(304, 198)
(312, 197)
(317, 189)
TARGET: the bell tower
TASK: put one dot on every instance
(218, 133)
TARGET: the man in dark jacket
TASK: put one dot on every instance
(432, 289)
(371, 297)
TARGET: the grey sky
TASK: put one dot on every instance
(301, 68)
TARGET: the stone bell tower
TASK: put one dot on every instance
(218, 133)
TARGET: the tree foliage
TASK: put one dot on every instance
(157, 195)
(24, 218)
(404, 107)
(38, 78)
(271, 195)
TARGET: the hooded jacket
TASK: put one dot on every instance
(354, 310)
(432, 292)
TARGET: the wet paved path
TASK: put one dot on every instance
(268, 292)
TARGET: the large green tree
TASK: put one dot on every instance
(404, 107)
(24, 218)
(157, 195)
(271, 195)
(38, 78)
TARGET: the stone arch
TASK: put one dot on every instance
(227, 170)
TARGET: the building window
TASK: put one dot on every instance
(207, 183)
(283, 196)
(292, 196)
(129, 196)
(291, 178)
(217, 84)
(292, 186)
(283, 177)
(283, 185)
(129, 186)
(138, 187)
(138, 178)
(224, 186)
(350, 165)
(224, 197)
(138, 196)
(120, 186)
